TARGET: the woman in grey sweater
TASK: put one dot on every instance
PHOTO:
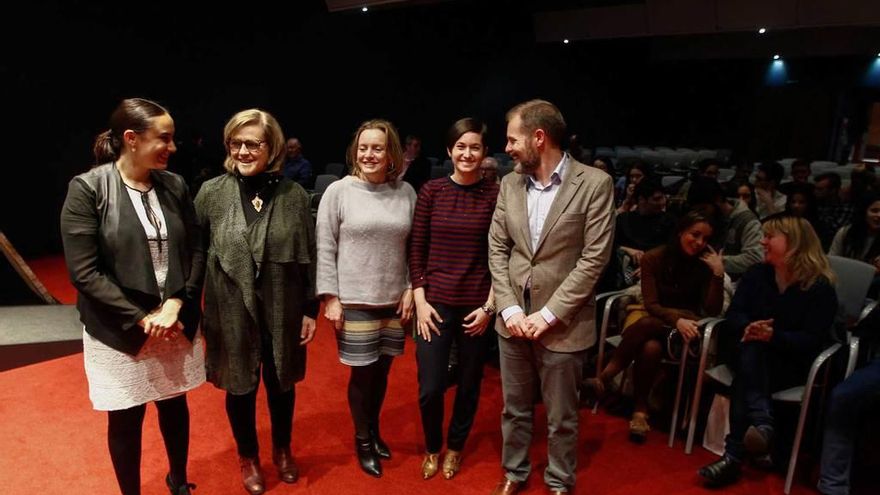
(362, 232)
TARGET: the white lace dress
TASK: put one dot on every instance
(163, 368)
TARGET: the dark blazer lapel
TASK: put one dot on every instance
(569, 186)
(135, 269)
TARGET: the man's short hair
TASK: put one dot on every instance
(540, 114)
(774, 171)
(704, 191)
(833, 179)
(705, 163)
(647, 188)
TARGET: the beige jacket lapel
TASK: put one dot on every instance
(567, 191)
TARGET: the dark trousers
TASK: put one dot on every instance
(242, 409)
(433, 364)
(759, 373)
(124, 433)
(851, 401)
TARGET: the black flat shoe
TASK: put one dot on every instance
(184, 489)
(722, 472)
(368, 460)
(758, 440)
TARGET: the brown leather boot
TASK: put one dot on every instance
(251, 475)
(287, 469)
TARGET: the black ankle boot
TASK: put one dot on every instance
(183, 489)
(380, 448)
(368, 459)
(722, 472)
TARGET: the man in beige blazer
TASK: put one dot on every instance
(550, 239)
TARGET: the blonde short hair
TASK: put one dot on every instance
(276, 146)
(392, 148)
(805, 258)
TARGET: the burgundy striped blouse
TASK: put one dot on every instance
(449, 246)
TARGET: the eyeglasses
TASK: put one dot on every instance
(252, 146)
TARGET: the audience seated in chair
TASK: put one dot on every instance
(769, 199)
(739, 231)
(640, 230)
(625, 187)
(682, 282)
(832, 212)
(780, 318)
(861, 239)
(852, 403)
(800, 178)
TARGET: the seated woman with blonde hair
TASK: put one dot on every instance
(780, 313)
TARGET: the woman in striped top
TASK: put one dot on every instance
(450, 276)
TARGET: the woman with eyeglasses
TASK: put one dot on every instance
(364, 224)
(131, 243)
(259, 299)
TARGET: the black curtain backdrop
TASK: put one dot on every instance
(422, 67)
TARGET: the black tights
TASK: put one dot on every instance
(242, 409)
(124, 433)
(641, 343)
(366, 392)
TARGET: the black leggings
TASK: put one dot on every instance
(124, 433)
(242, 409)
(366, 392)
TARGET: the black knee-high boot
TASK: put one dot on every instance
(380, 383)
(360, 392)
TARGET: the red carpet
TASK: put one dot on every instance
(54, 443)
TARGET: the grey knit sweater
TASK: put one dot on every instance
(362, 236)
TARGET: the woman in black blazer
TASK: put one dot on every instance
(133, 250)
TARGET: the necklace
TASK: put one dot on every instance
(264, 183)
(257, 202)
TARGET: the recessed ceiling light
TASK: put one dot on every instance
(364, 9)
(565, 41)
(762, 30)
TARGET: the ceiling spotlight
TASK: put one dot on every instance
(364, 9)
(565, 41)
(762, 30)
(776, 57)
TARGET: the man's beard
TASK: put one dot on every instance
(529, 163)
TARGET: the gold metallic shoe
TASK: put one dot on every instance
(451, 463)
(430, 465)
(639, 427)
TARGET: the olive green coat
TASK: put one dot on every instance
(258, 277)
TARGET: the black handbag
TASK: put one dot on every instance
(675, 342)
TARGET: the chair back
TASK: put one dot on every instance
(854, 278)
(324, 180)
(335, 168)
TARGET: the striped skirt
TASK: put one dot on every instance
(367, 333)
